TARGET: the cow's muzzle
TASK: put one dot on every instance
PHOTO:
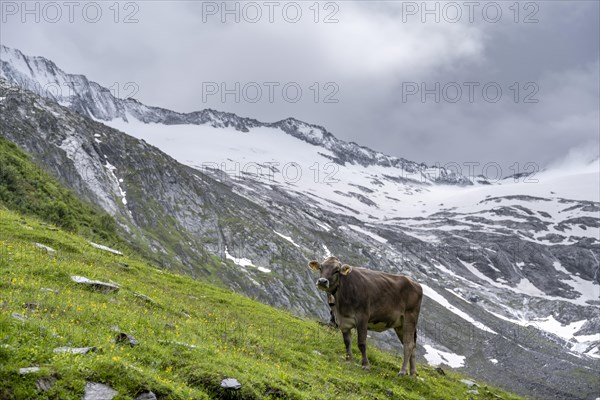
(322, 283)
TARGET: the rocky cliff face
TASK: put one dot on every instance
(510, 270)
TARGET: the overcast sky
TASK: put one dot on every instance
(372, 59)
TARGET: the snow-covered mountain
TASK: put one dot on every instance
(510, 268)
(44, 78)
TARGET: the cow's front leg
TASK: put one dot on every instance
(405, 360)
(348, 343)
(362, 343)
(410, 347)
(413, 353)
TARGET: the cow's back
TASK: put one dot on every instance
(382, 298)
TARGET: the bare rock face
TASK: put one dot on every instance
(95, 285)
(28, 370)
(126, 339)
(98, 391)
(146, 396)
(45, 383)
(231, 383)
(75, 350)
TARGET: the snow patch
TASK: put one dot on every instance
(289, 239)
(438, 298)
(436, 357)
(327, 252)
(558, 266)
(472, 269)
(370, 234)
(588, 290)
(244, 262)
(577, 343)
(525, 286)
(567, 332)
(324, 226)
(112, 169)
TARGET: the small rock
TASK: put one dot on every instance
(44, 247)
(75, 350)
(440, 371)
(468, 383)
(317, 352)
(115, 328)
(275, 393)
(146, 396)
(473, 391)
(144, 297)
(98, 391)
(31, 306)
(474, 299)
(44, 384)
(125, 338)
(185, 314)
(421, 379)
(170, 326)
(95, 285)
(102, 247)
(45, 289)
(19, 317)
(231, 383)
(28, 370)
(189, 346)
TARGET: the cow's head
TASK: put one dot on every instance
(330, 271)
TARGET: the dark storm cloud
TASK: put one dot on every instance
(368, 61)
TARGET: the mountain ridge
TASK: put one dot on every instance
(93, 100)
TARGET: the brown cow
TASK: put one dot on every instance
(372, 300)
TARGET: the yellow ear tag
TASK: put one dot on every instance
(314, 265)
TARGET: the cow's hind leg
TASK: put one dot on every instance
(410, 345)
(406, 358)
(361, 331)
(348, 343)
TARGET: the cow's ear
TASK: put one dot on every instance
(314, 265)
(346, 269)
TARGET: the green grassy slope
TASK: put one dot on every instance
(28, 189)
(191, 335)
